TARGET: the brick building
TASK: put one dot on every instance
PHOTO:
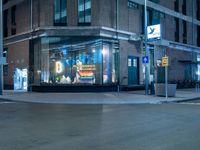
(74, 44)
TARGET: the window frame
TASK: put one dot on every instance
(59, 23)
(84, 23)
(13, 19)
(5, 23)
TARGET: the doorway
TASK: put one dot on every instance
(133, 70)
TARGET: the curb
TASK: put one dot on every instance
(180, 101)
(186, 100)
(102, 103)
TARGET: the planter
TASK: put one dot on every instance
(160, 89)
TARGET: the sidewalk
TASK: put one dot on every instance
(134, 97)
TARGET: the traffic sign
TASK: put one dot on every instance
(165, 61)
(145, 59)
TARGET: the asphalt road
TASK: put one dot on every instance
(27, 126)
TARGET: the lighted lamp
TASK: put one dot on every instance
(59, 67)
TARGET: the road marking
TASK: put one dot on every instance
(6, 103)
(190, 103)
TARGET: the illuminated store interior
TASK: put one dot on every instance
(75, 61)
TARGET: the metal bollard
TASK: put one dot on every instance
(197, 86)
(152, 89)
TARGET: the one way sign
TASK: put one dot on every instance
(145, 60)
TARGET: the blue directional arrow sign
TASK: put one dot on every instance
(145, 59)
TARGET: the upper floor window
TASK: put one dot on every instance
(176, 27)
(132, 5)
(5, 23)
(185, 32)
(153, 17)
(13, 20)
(60, 12)
(5, 1)
(184, 7)
(13, 15)
(198, 9)
(198, 36)
(176, 5)
(84, 11)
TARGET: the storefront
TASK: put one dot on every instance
(75, 61)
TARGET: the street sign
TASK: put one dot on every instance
(165, 61)
(145, 59)
(154, 32)
(159, 62)
(3, 61)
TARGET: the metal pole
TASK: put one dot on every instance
(117, 28)
(166, 80)
(146, 53)
(31, 12)
(192, 25)
(1, 48)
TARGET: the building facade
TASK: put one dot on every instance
(92, 43)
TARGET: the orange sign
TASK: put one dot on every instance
(165, 61)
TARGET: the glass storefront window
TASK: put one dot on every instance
(109, 68)
(63, 61)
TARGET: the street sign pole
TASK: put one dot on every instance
(1, 47)
(146, 53)
(166, 82)
(165, 63)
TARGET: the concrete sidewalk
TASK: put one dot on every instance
(134, 97)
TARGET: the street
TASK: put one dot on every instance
(32, 126)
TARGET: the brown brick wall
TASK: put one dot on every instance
(18, 57)
(23, 17)
(46, 13)
(103, 14)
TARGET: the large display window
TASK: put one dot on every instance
(92, 62)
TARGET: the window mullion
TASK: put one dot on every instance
(60, 19)
(84, 11)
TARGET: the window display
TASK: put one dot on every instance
(20, 79)
(87, 62)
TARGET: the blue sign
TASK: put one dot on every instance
(145, 59)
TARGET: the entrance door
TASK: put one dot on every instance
(20, 79)
(133, 70)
